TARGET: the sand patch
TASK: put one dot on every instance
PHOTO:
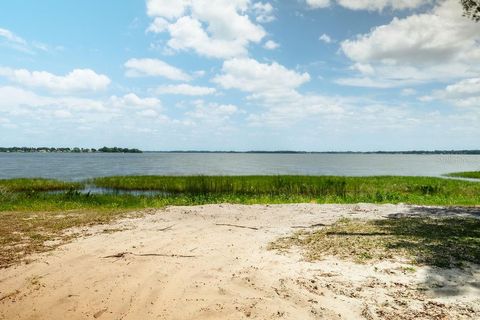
(212, 262)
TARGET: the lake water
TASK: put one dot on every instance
(71, 166)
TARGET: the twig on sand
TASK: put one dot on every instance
(236, 226)
(164, 255)
(309, 227)
(165, 229)
(123, 254)
(117, 255)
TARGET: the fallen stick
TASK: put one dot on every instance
(117, 255)
(163, 255)
(309, 227)
(235, 225)
(123, 254)
(165, 229)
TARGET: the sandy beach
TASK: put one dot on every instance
(213, 262)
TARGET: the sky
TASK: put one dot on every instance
(310, 75)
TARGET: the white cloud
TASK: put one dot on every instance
(464, 93)
(263, 12)
(315, 4)
(154, 68)
(378, 5)
(158, 25)
(11, 37)
(29, 105)
(217, 29)
(464, 88)
(371, 5)
(274, 87)
(252, 76)
(14, 100)
(148, 113)
(366, 82)
(271, 45)
(132, 100)
(185, 89)
(167, 8)
(76, 80)
(436, 46)
(325, 38)
(212, 113)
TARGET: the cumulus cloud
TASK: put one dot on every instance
(275, 88)
(271, 45)
(76, 80)
(185, 89)
(371, 5)
(438, 45)
(315, 4)
(158, 25)
(14, 99)
(212, 112)
(325, 38)
(217, 29)
(252, 76)
(463, 88)
(378, 5)
(132, 100)
(263, 12)
(167, 8)
(464, 93)
(154, 68)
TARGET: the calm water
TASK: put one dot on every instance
(80, 166)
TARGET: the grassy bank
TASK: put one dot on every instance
(441, 242)
(469, 174)
(36, 185)
(414, 190)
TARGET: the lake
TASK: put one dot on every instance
(70, 166)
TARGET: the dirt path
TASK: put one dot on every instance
(211, 262)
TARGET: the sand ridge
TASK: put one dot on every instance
(212, 262)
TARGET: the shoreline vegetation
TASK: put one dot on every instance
(468, 175)
(67, 150)
(137, 192)
(127, 150)
(35, 212)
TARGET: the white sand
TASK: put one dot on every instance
(212, 271)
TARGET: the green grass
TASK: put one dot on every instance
(470, 174)
(442, 242)
(387, 189)
(36, 185)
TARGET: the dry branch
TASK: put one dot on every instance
(236, 226)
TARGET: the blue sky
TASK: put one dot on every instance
(311, 75)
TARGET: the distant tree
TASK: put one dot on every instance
(471, 9)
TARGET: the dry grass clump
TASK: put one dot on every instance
(442, 242)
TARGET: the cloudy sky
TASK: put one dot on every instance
(239, 74)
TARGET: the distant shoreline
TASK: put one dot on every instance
(446, 152)
(127, 150)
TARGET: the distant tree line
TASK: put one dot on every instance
(70, 150)
(469, 152)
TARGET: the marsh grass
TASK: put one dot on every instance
(36, 185)
(469, 174)
(324, 189)
(441, 242)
